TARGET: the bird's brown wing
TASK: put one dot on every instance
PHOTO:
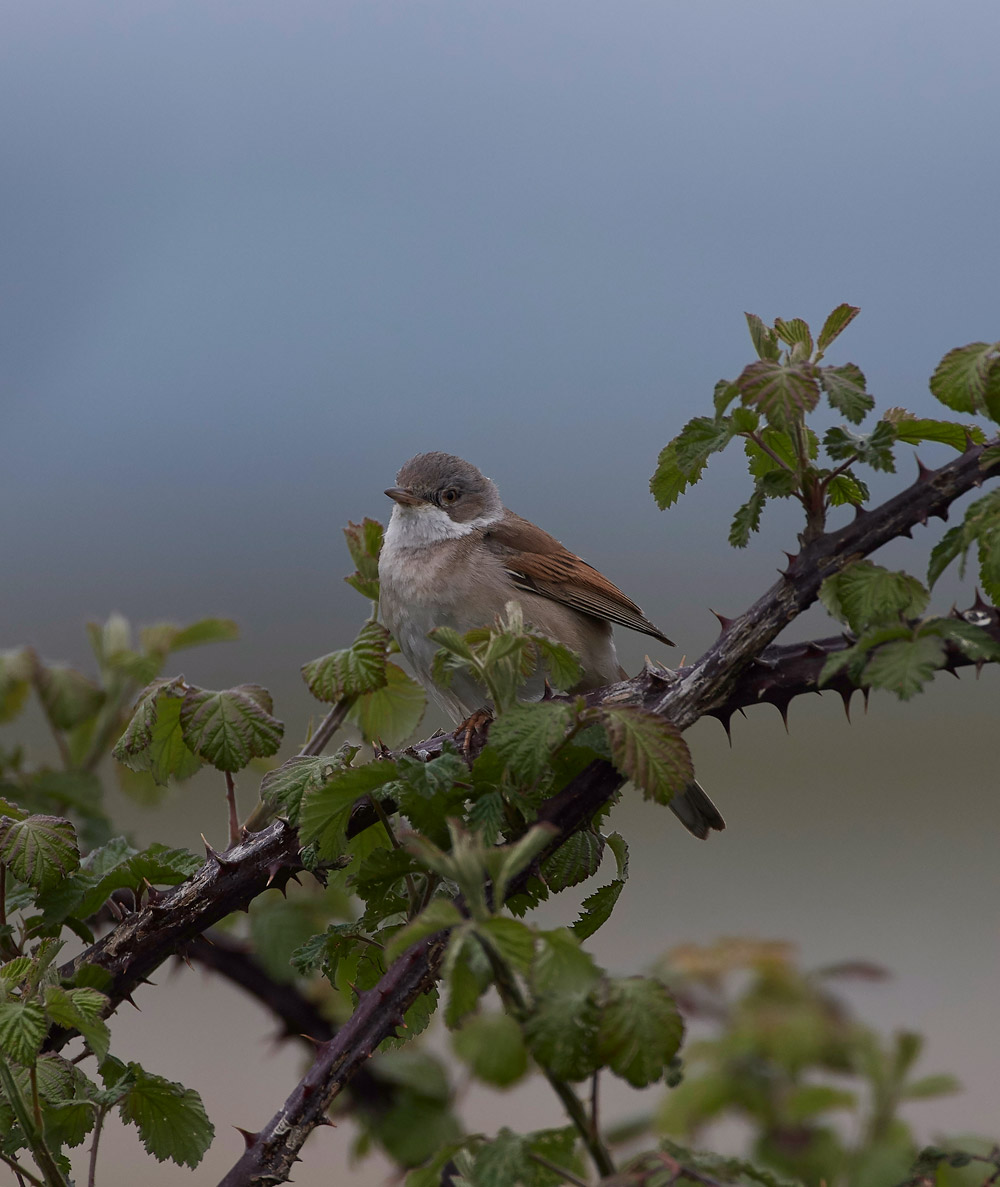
(539, 564)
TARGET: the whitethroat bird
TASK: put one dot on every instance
(454, 556)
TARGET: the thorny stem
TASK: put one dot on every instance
(594, 1087)
(513, 1000)
(234, 820)
(328, 727)
(92, 1169)
(23, 1174)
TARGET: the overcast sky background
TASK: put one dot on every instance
(255, 255)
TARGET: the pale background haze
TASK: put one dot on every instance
(253, 256)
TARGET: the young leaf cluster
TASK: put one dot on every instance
(768, 407)
(789, 1058)
(895, 648)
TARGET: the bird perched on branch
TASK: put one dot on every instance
(454, 556)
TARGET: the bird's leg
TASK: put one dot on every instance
(470, 729)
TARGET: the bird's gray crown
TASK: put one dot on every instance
(453, 484)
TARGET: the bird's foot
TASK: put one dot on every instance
(468, 733)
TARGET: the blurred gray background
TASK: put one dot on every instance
(256, 255)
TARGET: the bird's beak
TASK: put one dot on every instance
(405, 498)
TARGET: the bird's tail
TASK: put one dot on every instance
(696, 811)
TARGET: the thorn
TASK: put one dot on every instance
(272, 872)
(724, 719)
(865, 692)
(979, 604)
(845, 696)
(908, 532)
(724, 622)
(922, 517)
(209, 851)
(859, 512)
(969, 442)
(248, 1137)
(245, 834)
(116, 909)
(923, 474)
(127, 997)
(769, 664)
(780, 699)
(295, 878)
(324, 1120)
(814, 648)
(941, 514)
(980, 663)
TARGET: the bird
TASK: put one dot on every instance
(453, 556)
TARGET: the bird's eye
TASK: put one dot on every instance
(449, 496)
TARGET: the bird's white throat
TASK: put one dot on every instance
(426, 524)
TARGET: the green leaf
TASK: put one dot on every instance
(640, 1029)
(874, 450)
(364, 542)
(466, 974)
(724, 394)
(231, 727)
(561, 967)
(794, 332)
(835, 324)
(170, 1118)
(205, 630)
(747, 519)
(118, 866)
(487, 817)
(951, 545)
(913, 430)
(865, 594)
(562, 665)
(284, 788)
(439, 915)
(577, 858)
(390, 714)
(669, 481)
(596, 909)
(357, 669)
(153, 739)
(81, 1010)
(765, 340)
(905, 665)
(502, 1162)
(845, 389)
(562, 1034)
(13, 972)
(16, 669)
(40, 850)
(22, 1029)
(325, 810)
(67, 696)
(650, 751)
(512, 939)
(846, 488)
(971, 640)
(782, 392)
(492, 1047)
(930, 1086)
(526, 734)
(697, 441)
(968, 379)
